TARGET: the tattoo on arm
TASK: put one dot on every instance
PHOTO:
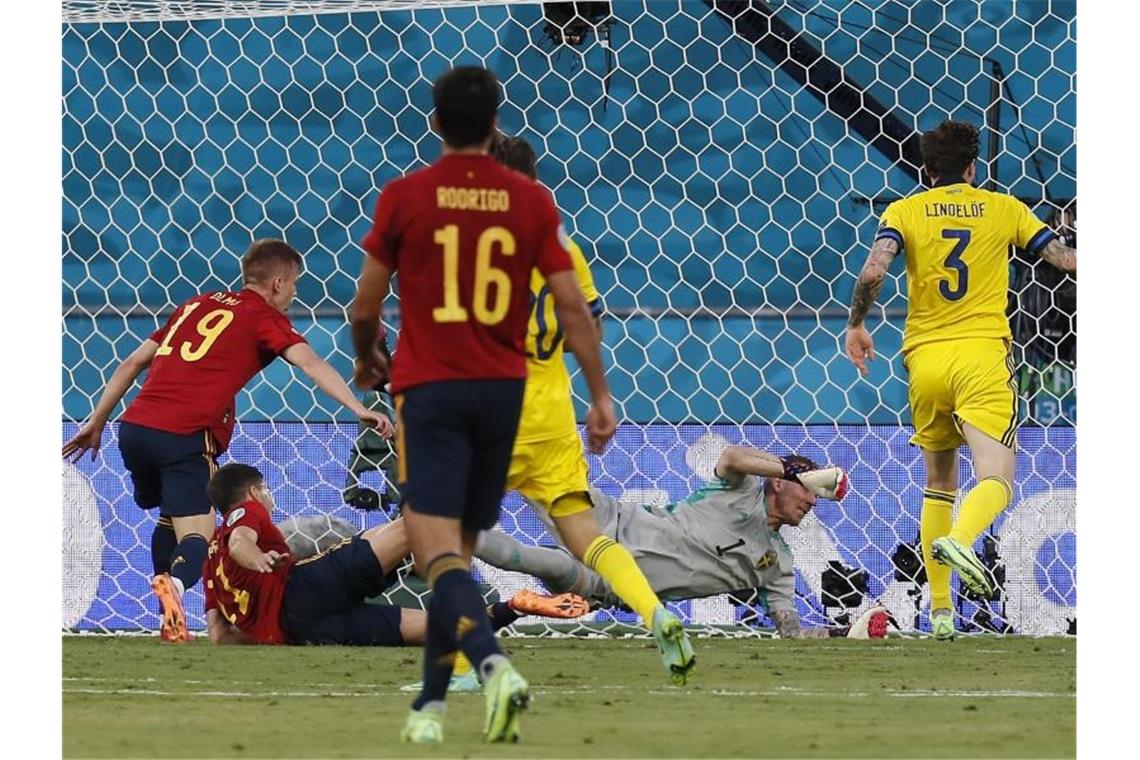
(870, 280)
(787, 624)
(1060, 255)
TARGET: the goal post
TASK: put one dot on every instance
(725, 200)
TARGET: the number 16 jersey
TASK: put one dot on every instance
(464, 235)
(956, 240)
(211, 346)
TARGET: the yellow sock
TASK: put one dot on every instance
(937, 516)
(980, 508)
(462, 664)
(615, 564)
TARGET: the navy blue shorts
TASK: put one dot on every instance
(169, 470)
(324, 599)
(455, 441)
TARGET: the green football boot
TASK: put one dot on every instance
(423, 727)
(942, 625)
(508, 695)
(970, 569)
(673, 643)
(468, 683)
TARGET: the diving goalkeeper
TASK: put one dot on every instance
(724, 538)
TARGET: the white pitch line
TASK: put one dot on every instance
(783, 691)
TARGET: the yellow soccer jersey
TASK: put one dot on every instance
(548, 411)
(956, 240)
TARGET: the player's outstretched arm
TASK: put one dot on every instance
(737, 461)
(860, 346)
(221, 632)
(1060, 255)
(371, 290)
(584, 340)
(90, 435)
(302, 356)
(243, 550)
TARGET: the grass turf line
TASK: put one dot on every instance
(989, 697)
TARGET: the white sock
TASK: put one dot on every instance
(178, 585)
(490, 666)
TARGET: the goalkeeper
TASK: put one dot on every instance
(724, 538)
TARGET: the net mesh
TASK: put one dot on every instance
(709, 162)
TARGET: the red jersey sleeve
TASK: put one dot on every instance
(381, 242)
(159, 335)
(553, 254)
(276, 333)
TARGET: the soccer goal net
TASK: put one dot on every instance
(722, 164)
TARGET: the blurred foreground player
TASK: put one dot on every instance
(257, 592)
(548, 465)
(173, 432)
(464, 235)
(956, 346)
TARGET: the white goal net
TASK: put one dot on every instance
(721, 163)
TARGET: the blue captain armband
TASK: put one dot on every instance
(1040, 240)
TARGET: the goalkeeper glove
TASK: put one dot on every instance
(826, 483)
(872, 624)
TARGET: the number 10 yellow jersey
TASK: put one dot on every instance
(956, 240)
(548, 411)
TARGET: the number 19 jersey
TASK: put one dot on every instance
(463, 235)
(956, 240)
(211, 346)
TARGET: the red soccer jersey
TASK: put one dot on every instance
(464, 235)
(208, 350)
(248, 599)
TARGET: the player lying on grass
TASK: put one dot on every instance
(956, 346)
(183, 418)
(724, 538)
(258, 593)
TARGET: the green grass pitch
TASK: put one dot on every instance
(982, 697)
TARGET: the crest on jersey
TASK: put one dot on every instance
(563, 238)
(236, 515)
(767, 560)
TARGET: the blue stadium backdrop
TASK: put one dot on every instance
(725, 210)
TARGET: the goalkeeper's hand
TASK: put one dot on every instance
(872, 624)
(825, 482)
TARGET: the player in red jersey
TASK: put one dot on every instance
(172, 433)
(464, 235)
(256, 593)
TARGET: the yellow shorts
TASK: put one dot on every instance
(955, 381)
(544, 471)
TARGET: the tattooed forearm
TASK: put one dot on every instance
(1060, 255)
(870, 280)
(787, 623)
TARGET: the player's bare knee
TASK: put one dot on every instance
(202, 525)
(413, 627)
(941, 469)
(389, 543)
(578, 531)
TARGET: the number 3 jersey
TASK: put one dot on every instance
(463, 235)
(956, 239)
(246, 598)
(211, 346)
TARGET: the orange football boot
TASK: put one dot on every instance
(174, 627)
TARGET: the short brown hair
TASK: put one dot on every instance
(265, 258)
(515, 153)
(229, 485)
(948, 150)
